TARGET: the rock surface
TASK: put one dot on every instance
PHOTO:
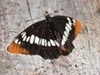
(16, 15)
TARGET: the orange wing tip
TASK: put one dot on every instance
(77, 27)
(16, 49)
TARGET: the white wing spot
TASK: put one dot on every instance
(32, 39)
(68, 26)
(56, 43)
(28, 38)
(37, 40)
(42, 42)
(68, 18)
(52, 42)
(45, 42)
(49, 44)
(69, 21)
(66, 33)
(16, 41)
(24, 38)
(23, 34)
(64, 37)
(74, 21)
(19, 42)
(62, 42)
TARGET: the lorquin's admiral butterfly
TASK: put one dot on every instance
(49, 38)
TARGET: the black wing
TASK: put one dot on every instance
(38, 39)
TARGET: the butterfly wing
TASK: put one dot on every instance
(38, 39)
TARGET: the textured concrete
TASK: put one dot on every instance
(16, 15)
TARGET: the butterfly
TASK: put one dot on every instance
(48, 38)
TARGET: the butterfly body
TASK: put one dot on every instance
(49, 38)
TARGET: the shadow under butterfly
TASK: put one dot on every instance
(48, 38)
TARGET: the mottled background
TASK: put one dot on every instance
(16, 15)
